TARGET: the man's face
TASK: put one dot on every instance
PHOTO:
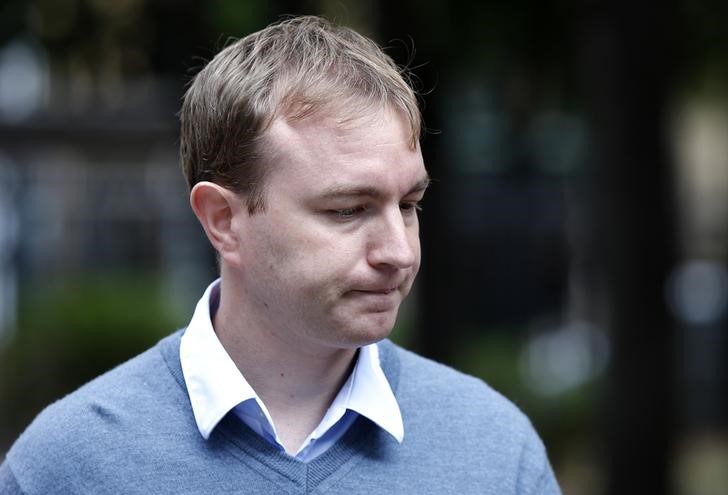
(337, 248)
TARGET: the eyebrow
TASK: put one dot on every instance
(354, 191)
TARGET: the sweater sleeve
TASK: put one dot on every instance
(8, 483)
(547, 484)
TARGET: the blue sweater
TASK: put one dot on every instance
(132, 431)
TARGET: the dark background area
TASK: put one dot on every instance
(575, 239)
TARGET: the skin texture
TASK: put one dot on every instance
(324, 268)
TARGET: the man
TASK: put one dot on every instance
(300, 145)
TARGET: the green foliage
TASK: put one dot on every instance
(235, 18)
(71, 333)
(495, 356)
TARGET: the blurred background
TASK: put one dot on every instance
(575, 239)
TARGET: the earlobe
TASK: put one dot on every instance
(215, 208)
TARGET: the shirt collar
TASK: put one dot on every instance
(216, 386)
(371, 395)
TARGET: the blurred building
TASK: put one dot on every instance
(90, 182)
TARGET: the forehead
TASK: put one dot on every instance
(373, 150)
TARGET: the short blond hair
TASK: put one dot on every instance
(292, 69)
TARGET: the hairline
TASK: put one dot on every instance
(331, 111)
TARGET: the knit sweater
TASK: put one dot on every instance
(132, 430)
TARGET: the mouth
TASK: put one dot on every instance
(376, 300)
(384, 291)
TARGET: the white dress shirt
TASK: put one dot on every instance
(216, 387)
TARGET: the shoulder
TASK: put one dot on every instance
(465, 419)
(420, 378)
(104, 416)
(128, 389)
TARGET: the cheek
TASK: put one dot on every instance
(309, 257)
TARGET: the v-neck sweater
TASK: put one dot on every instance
(132, 430)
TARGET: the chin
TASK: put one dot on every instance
(351, 330)
(376, 328)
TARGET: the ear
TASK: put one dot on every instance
(216, 208)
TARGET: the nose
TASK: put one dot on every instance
(394, 241)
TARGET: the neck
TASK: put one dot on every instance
(296, 381)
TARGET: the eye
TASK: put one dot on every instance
(410, 207)
(348, 213)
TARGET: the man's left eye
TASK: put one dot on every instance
(348, 213)
(410, 207)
